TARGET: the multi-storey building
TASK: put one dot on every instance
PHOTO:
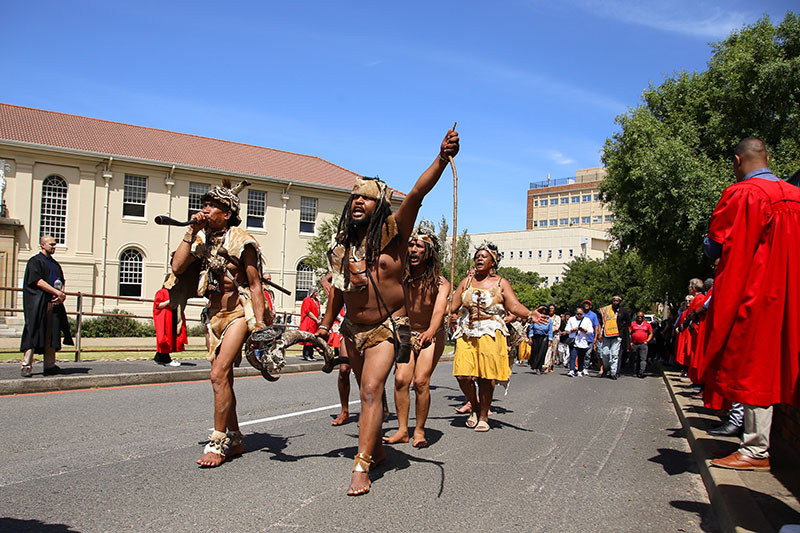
(96, 186)
(569, 202)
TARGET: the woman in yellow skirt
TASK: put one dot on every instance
(482, 301)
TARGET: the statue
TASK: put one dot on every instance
(3, 167)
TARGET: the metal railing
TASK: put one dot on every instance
(554, 182)
(282, 317)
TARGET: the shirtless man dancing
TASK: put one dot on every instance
(426, 304)
(372, 243)
(222, 262)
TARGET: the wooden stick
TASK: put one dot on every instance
(455, 223)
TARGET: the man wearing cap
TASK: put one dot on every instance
(367, 262)
(591, 337)
(218, 260)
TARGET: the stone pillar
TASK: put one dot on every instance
(9, 250)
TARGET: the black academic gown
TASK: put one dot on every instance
(34, 304)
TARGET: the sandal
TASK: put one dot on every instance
(482, 427)
(362, 463)
(472, 421)
(218, 444)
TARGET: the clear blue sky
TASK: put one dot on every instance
(372, 86)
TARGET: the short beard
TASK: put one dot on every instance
(360, 223)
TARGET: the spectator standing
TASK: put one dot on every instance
(579, 328)
(755, 231)
(170, 334)
(309, 321)
(540, 335)
(610, 337)
(591, 337)
(43, 304)
(552, 351)
(641, 334)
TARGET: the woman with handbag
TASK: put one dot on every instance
(482, 301)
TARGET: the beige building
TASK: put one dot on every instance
(546, 251)
(96, 186)
(569, 202)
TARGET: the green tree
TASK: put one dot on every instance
(620, 272)
(527, 286)
(317, 248)
(463, 258)
(671, 159)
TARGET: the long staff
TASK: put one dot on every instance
(455, 222)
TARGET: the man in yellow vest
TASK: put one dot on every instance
(611, 337)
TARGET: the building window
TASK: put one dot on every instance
(609, 218)
(563, 221)
(585, 220)
(556, 280)
(574, 220)
(564, 200)
(54, 209)
(549, 254)
(511, 255)
(587, 197)
(196, 191)
(571, 253)
(540, 254)
(560, 255)
(256, 207)
(134, 196)
(536, 203)
(597, 219)
(530, 254)
(547, 280)
(308, 214)
(576, 199)
(554, 222)
(596, 197)
(305, 281)
(544, 202)
(543, 223)
(130, 273)
(535, 223)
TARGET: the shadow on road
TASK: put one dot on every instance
(14, 524)
(702, 510)
(674, 462)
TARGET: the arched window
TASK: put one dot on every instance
(305, 281)
(130, 273)
(54, 209)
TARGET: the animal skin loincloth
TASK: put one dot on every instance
(366, 336)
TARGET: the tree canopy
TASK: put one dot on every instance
(527, 286)
(671, 159)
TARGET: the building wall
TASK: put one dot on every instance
(574, 202)
(546, 251)
(90, 238)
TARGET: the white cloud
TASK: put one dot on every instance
(696, 18)
(560, 158)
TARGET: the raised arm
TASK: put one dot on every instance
(183, 257)
(406, 215)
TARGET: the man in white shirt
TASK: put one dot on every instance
(579, 327)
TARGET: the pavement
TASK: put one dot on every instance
(742, 501)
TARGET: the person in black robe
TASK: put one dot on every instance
(43, 304)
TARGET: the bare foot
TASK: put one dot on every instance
(341, 419)
(359, 484)
(235, 451)
(466, 408)
(419, 439)
(211, 460)
(397, 436)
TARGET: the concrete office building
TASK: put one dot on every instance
(96, 186)
(568, 202)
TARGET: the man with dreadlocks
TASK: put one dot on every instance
(426, 303)
(222, 262)
(367, 262)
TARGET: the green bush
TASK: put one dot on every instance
(114, 326)
(196, 331)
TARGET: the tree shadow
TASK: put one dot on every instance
(67, 370)
(674, 462)
(15, 524)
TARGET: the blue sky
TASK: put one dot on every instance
(373, 86)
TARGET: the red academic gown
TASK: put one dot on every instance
(753, 339)
(697, 338)
(682, 354)
(306, 322)
(167, 339)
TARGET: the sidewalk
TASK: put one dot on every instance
(742, 501)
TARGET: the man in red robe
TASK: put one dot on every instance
(168, 340)
(309, 321)
(755, 232)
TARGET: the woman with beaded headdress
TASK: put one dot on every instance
(426, 292)
(481, 302)
(220, 261)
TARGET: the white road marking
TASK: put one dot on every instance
(290, 415)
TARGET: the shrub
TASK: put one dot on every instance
(122, 325)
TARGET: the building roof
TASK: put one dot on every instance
(59, 130)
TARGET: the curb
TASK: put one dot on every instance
(733, 504)
(10, 387)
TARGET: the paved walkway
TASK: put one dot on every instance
(743, 501)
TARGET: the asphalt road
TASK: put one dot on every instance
(564, 454)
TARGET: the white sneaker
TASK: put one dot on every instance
(578, 373)
(571, 373)
(585, 372)
(174, 363)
